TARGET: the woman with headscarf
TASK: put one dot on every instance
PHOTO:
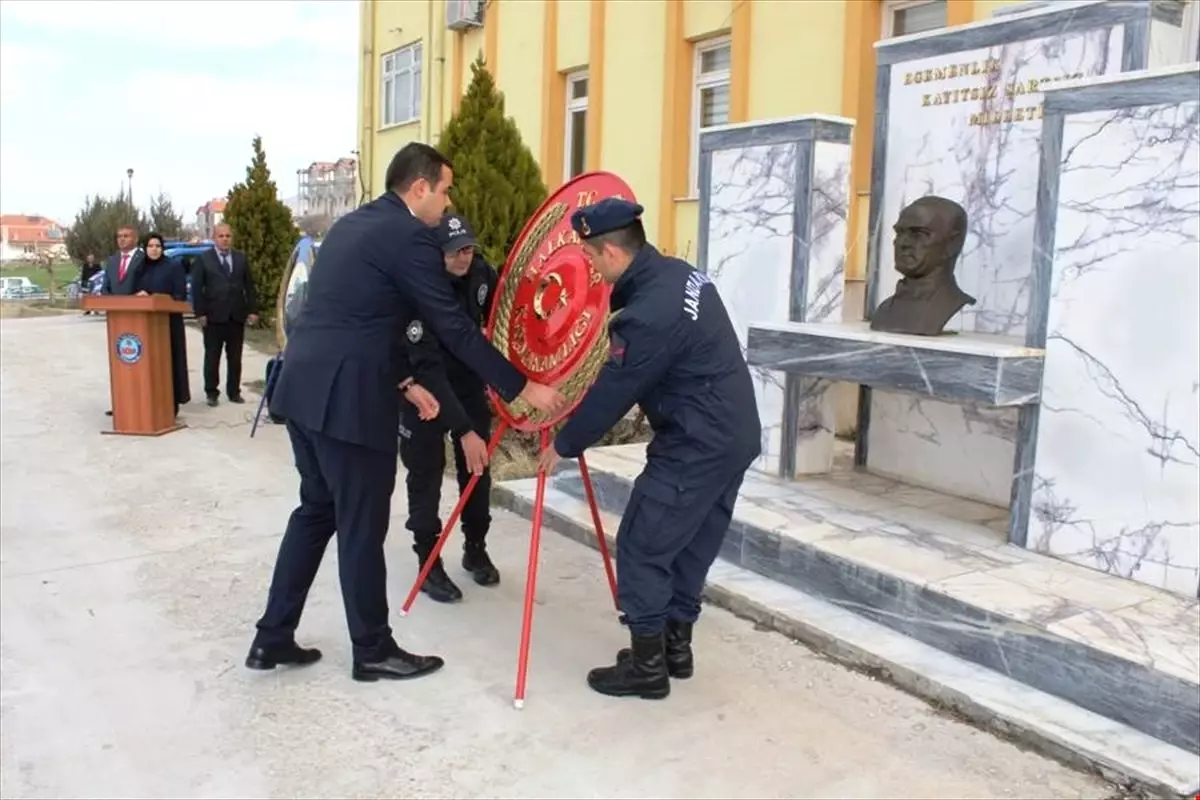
(161, 275)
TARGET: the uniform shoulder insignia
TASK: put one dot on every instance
(415, 331)
(482, 294)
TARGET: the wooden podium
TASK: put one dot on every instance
(139, 361)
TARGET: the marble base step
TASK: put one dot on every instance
(937, 569)
(1008, 707)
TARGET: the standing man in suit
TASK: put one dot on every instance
(121, 266)
(340, 389)
(224, 301)
(120, 269)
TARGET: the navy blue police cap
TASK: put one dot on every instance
(455, 233)
(608, 215)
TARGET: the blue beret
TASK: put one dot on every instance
(608, 215)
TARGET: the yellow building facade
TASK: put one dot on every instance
(626, 85)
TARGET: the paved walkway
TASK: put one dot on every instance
(131, 572)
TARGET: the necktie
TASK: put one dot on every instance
(228, 266)
(124, 264)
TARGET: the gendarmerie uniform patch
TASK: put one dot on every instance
(415, 331)
(481, 295)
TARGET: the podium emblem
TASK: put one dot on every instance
(549, 314)
(129, 348)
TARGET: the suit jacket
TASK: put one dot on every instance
(218, 295)
(113, 283)
(380, 269)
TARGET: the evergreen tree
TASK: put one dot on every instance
(95, 227)
(262, 228)
(164, 219)
(497, 181)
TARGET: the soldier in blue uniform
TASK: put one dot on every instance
(339, 389)
(673, 351)
(464, 414)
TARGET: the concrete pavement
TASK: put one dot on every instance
(132, 570)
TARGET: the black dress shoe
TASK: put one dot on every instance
(438, 585)
(398, 665)
(476, 561)
(289, 655)
(237, 398)
(212, 401)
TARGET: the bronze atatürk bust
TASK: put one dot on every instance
(930, 233)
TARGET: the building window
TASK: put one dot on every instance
(904, 17)
(710, 96)
(575, 151)
(401, 85)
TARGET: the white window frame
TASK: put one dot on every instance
(574, 105)
(890, 7)
(387, 76)
(699, 83)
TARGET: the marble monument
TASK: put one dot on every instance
(774, 199)
(1117, 461)
(959, 115)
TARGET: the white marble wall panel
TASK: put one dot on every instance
(936, 145)
(752, 200)
(1117, 475)
(829, 204)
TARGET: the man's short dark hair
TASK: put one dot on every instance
(631, 238)
(414, 161)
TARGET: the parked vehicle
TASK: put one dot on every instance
(186, 253)
(19, 287)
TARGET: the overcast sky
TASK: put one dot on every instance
(175, 90)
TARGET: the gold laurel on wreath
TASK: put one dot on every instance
(586, 372)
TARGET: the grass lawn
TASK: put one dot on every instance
(63, 274)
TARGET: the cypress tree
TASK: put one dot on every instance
(497, 182)
(262, 229)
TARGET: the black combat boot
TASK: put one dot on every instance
(437, 583)
(643, 674)
(678, 637)
(476, 561)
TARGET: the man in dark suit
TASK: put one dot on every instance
(340, 390)
(224, 301)
(121, 266)
(120, 269)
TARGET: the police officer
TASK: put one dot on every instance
(673, 351)
(339, 389)
(465, 414)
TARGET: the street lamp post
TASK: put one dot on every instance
(129, 172)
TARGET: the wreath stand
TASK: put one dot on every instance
(548, 316)
(534, 547)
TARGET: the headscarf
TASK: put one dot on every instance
(162, 243)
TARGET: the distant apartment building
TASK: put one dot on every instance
(24, 238)
(209, 216)
(327, 188)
